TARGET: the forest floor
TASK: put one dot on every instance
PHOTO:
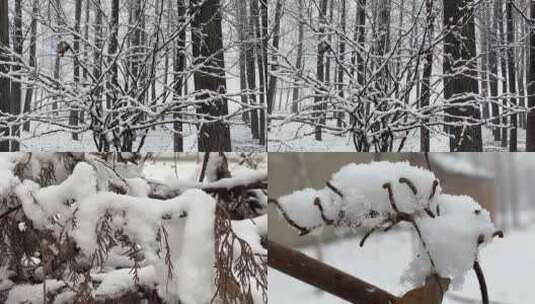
(297, 137)
(160, 139)
(384, 257)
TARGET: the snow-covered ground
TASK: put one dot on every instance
(40, 139)
(508, 264)
(296, 137)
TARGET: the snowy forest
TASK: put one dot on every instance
(133, 228)
(287, 75)
(405, 75)
(127, 75)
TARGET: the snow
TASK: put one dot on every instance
(452, 240)
(296, 137)
(32, 294)
(362, 188)
(385, 256)
(49, 138)
(452, 228)
(117, 282)
(250, 231)
(175, 237)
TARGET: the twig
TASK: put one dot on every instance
(317, 203)
(335, 190)
(204, 165)
(9, 211)
(410, 184)
(482, 282)
(302, 230)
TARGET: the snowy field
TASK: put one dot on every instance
(385, 256)
(296, 137)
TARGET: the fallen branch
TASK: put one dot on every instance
(325, 277)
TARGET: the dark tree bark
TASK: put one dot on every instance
(32, 61)
(493, 68)
(179, 67)
(299, 59)
(360, 36)
(428, 70)
(112, 50)
(484, 51)
(341, 52)
(503, 66)
(207, 42)
(100, 139)
(251, 70)
(16, 92)
(260, 52)
(276, 39)
(530, 131)
(458, 16)
(242, 26)
(74, 114)
(512, 73)
(57, 65)
(5, 90)
(320, 68)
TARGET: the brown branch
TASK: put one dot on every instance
(325, 277)
(410, 184)
(317, 203)
(204, 165)
(388, 188)
(9, 211)
(335, 190)
(302, 230)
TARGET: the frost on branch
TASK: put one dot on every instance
(377, 196)
(96, 233)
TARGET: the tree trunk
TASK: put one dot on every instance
(493, 68)
(465, 137)
(341, 52)
(32, 61)
(276, 40)
(179, 67)
(74, 115)
(320, 69)
(512, 76)
(59, 55)
(5, 91)
(241, 20)
(483, 39)
(360, 33)
(299, 59)
(207, 36)
(260, 51)
(428, 70)
(503, 60)
(102, 143)
(251, 70)
(16, 92)
(530, 131)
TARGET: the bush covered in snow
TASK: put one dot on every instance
(450, 229)
(91, 227)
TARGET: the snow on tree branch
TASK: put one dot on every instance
(450, 229)
(94, 234)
